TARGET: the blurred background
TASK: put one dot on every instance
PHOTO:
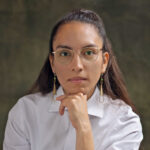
(25, 26)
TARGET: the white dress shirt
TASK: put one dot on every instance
(34, 123)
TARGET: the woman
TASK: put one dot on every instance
(79, 100)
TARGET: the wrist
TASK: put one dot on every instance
(84, 127)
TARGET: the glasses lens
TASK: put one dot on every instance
(89, 54)
(64, 56)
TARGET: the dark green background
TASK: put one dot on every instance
(25, 26)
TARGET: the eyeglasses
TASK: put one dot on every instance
(65, 56)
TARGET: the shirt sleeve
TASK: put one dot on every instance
(15, 135)
(126, 131)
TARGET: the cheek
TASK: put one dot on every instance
(61, 72)
(95, 71)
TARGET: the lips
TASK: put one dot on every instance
(77, 79)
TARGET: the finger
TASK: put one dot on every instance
(85, 95)
(82, 94)
(60, 97)
(82, 90)
(61, 109)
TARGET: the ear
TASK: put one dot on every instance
(51, 60)
(105, 61)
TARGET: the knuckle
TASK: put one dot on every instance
(80, 94)
(76, 97)
(73, 103)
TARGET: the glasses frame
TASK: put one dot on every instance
(54, 52)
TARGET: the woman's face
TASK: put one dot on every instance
(78, 75)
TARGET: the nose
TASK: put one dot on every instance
(77, 64)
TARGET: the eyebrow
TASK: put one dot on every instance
(90, 45)
(68, 47)
(64, 46)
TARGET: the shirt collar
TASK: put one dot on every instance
(94, 103)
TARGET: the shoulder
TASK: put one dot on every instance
(118, 107)
(124, 125)
(29, 104)
(114, 103)
(123, 117)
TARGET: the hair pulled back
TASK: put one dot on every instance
(113, 84)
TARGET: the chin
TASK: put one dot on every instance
(77, 90)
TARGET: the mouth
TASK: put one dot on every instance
(77, 79)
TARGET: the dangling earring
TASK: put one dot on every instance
(101, 89)
(54, 85)
(101, 85)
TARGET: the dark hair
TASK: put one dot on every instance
(113, 84)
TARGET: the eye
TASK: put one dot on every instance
(64, 53)
(88, 52)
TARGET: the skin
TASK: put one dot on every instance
(77, 35)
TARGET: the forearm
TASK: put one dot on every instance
(84, 139)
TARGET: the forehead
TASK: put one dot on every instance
(77, 33)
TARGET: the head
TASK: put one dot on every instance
(75, 31)
(84, 60)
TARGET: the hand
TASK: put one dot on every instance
(77, 108)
